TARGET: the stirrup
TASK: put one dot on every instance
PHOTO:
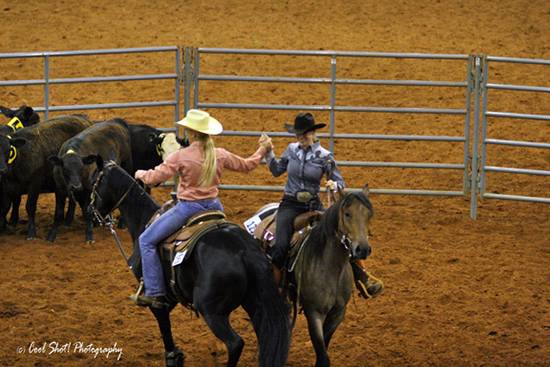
(134, 297)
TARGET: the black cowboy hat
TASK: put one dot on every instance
(303, 123)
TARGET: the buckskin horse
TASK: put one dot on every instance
(322, 269)
(226, 269)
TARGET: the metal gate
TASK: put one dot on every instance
(473, 82)
(47, 82)
(332, 80)
(479, 180)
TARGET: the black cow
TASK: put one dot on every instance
(22, 117)
(74, 164)
(150, 146)
(24, 165)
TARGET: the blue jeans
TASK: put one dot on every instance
(160, 229)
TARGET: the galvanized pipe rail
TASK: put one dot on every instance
(47, 81)
(332, 108)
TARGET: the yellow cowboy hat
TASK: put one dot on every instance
(201, 121)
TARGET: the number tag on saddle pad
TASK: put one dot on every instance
(179, 257)
(253, 222)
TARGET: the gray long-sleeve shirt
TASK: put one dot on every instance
(305, 168)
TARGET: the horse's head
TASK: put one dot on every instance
(107, 191)
(355, 212)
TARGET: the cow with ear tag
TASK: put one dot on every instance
(18, 118)
(22, 117)
(24, 167)
(74, 165)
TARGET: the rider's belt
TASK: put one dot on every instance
(304, 196)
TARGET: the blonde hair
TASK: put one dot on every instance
(209, 165)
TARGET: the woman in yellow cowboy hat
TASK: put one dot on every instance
(199, 166)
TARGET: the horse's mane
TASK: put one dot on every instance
(328, 223)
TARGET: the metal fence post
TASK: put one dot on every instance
(46, 86)
(178, 85)
(332, 126)
(484, 91)
(196, 70)
(474, 183)
(186, 79)
(467, 155)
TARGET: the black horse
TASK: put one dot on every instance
(226, 270)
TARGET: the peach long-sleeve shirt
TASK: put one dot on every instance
(187, 162)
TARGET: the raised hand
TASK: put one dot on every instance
(265, 141)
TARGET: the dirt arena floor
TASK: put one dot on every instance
(458, 292)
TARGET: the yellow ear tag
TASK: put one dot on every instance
(15, 124)
(159, 150)
(12, 155)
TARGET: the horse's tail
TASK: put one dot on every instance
(270, 319)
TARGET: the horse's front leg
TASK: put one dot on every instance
(333, 319)
(173, 356)
(315, 321)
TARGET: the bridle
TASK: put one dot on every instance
(108, 218)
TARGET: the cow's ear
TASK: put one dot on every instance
(90, 159)
(7, 112)
(55, 160)
(27, 113)
(18, 142)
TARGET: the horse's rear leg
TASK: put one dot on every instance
(315, 327)
(219, 324)
(173, 355)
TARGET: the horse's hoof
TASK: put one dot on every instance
(175, 358)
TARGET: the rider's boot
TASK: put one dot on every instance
(368, 285)
(147, 301)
